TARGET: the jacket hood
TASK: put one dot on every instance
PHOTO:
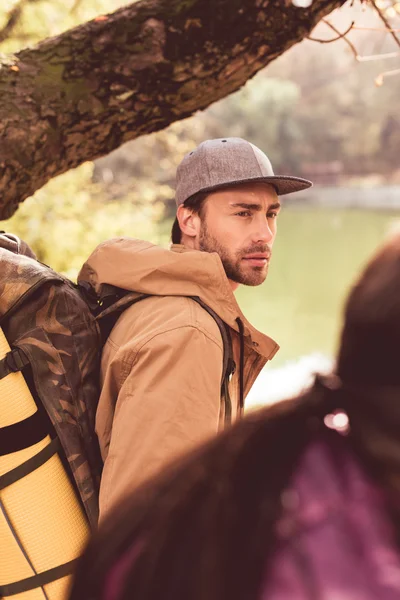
(146, 268)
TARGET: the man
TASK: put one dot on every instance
(163, 361)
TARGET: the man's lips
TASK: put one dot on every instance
(257, 259)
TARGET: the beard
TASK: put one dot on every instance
(233, 263)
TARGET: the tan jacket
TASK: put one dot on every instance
(162, 363)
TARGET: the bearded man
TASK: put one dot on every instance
(164, 381)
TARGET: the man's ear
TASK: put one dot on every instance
(189, 221)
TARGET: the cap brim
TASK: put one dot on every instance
(284, 184)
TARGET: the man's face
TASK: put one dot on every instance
(239, 223)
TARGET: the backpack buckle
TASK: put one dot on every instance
(14, 361)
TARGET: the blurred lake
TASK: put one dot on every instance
(317, 254)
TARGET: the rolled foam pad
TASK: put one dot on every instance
(42, 523)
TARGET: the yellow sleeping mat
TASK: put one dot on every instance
(43, 527)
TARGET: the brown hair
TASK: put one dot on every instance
(207, 524)
(196, 203)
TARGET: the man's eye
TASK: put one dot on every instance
(272, 215)
(244, 213)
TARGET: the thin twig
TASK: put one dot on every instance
(345, 39)
(359, 28)
(340, 35)
(385, 21)
(14, 17)
(378, 56)
(381, 76)
(379, 79)
(76, 6)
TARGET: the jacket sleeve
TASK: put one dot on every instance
(169, 402)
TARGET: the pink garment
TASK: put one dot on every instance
(117, 574)
(336, 540)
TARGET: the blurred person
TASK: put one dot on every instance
(164, 360)
(282, 505)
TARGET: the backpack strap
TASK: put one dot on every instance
(108, 305)
(113, 301)
(228, 367)
(110, 315)
(39, 580)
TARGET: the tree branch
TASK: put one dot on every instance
(385, 22)
(82, 94)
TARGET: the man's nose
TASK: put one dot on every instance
(263, 233)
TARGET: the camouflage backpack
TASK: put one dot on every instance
(56, 331)
(55, 342)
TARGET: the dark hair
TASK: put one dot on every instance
(201, 519)
(207, 524)
(196, 203)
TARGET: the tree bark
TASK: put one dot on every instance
(80, 95)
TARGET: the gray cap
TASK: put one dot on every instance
(226, 162)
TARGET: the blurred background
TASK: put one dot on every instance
(317, 112)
